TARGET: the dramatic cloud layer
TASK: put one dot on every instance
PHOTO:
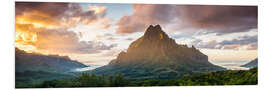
(244, 43)
(87, 31)
(43, 26)
(60, 41)
(219, 19)
(57, 14)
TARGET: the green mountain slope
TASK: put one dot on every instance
(251, 64)
(33, 78)
(228, 77)
(38, 62)
(156, 55)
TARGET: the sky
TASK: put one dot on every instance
(95, 33)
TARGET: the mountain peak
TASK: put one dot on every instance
(156, 54)
(152, 29)
(155, 32)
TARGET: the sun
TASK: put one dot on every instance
(25, 40)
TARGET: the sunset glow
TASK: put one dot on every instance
(73, 45)
(96, 33)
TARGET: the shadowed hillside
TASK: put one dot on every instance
(251, 64)
(38, 62)
(33, 68)
(155, 55)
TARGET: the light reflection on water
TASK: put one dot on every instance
(231, 64)
(90, 67)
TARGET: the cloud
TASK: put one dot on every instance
(112, 52)
(219, 19)
(98, 9)
(53, 9)
(129, 39)
(58, 14)
(222, 19)
(43, 27)
(112, 38)
(60, 41)
(244, 42)
(143, 16)
(211, 44)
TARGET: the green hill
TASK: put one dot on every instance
(229, 77)
(33, 78)
(38, 62)
(156, 55)
(251, 64)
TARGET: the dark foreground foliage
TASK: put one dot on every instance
(88, 80)
(29, 79)
(229, 77)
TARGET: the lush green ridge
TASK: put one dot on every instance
(251, 64)
(32, 78)
(49, 63)
(156, 55)
(229, 77)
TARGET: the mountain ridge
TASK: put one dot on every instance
(156, 55)
(37, 62)
(251, 64)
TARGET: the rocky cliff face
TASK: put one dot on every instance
(157, 52)
(156, 46)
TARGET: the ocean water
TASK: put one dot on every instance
(90, 67)
(231, 64)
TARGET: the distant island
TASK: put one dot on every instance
(251, 64)
(37, 62)
(34, 68)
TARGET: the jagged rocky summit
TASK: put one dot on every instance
(156, 55)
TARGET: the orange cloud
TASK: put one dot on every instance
(42, 27)
(98, 9)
